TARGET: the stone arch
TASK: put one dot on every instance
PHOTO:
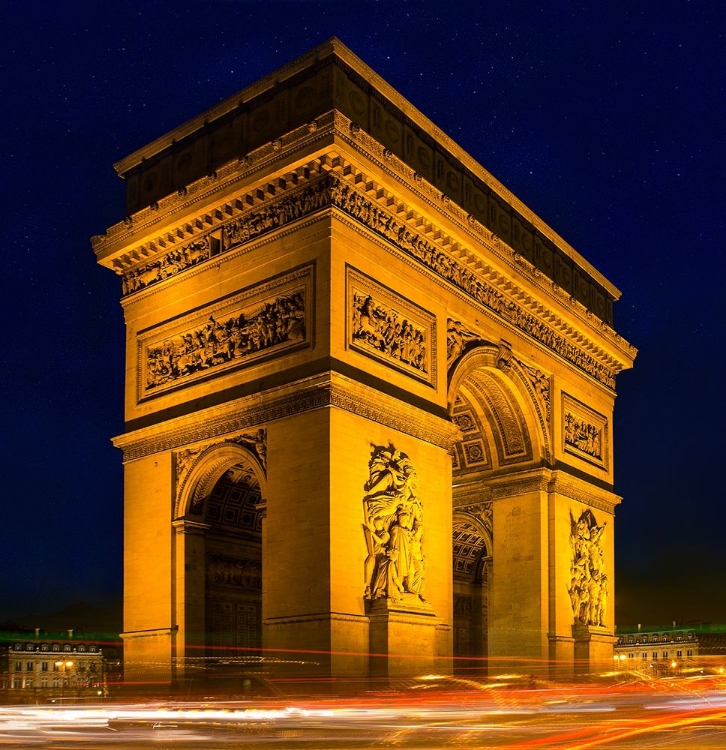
(207, 468)
(502, 409)
(472, 558)
(218, 557)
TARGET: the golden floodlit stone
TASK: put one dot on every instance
(369, 397)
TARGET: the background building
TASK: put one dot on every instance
(674, 650)
(43, 667)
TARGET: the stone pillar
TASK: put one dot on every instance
(403, 639)
(593, 649)
(189, 638)
(314, 550)
(518, 611)
(148, 572)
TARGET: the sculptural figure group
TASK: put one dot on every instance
(382, 328)
(218, 342)
(589, 582)
(393, 528)
(583, 436)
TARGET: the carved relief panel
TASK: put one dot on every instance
(584, 432)
(268, 320)
(393, 528)
(589, 586)
(389, 328)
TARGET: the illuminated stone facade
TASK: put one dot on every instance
(51, 668)
(678, 650)
(369, 394)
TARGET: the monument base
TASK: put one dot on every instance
(593, 648)
(403, 637)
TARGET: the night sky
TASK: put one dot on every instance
(607, 120)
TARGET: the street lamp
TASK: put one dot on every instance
(63, 667)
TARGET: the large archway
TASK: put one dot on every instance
(219, 558)
(501, 408)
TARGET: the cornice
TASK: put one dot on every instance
(193, 211)
(333, 51)
(175, 238)
(581, 490)
(535, 480)
(329, 389)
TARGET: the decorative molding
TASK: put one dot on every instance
(583, 492)
(189, 458)
(482, 511)
(334, 190)
(267, 320)
(384, 325)
(458, 340)
(585, 432)
(256, 444)
(407, 234)
(318, 392)
(541, 388)
(387, 225)
(169, 264)
(252, 166)
(535, 480)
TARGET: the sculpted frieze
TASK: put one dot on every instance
(385, 224)
(232, 571)
(458, 339)
(256, 444)
(332, 190)
(389, 328)
(241, 330)
(588, 588)
(167, 265)
(248, 226)
(393, 528)
(584, 432)
(540, 384)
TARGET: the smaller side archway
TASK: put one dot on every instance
(472, 563)
(218, 558)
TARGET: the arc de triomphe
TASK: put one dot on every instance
(369, 395)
